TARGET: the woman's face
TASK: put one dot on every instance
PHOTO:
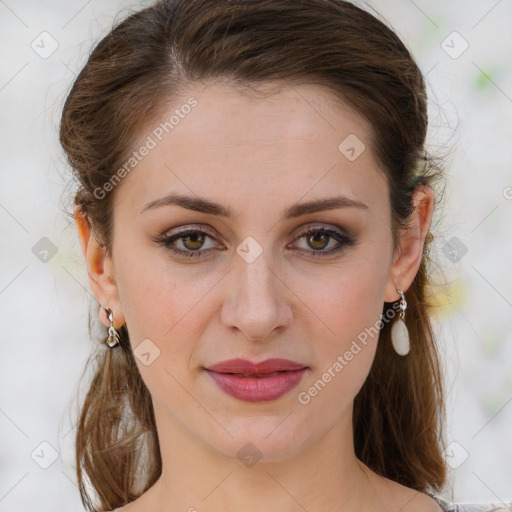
(252, 285)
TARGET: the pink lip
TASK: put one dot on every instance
(263, 381)
(262, 368)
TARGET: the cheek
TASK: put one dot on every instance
(343, 356)
(349, 301)
(165, 303)
(347, 309)
(154, 293)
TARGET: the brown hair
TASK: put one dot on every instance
(145, 62)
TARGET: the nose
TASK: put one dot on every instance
(257, 303)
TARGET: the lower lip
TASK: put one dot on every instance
(257, 389)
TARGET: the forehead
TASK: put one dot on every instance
(275, 112)
(232, 146)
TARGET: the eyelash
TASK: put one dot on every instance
(335, 233)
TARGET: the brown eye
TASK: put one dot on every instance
(194, 241)
(318, 239)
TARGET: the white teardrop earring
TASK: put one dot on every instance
(399, 331)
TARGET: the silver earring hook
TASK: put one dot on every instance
(403, 304)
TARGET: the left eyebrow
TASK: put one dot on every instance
(203, 205)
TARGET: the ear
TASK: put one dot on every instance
(407, 260)
(100, 270)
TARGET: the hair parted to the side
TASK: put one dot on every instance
(144, 63)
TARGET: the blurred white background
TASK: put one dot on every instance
(464, 48)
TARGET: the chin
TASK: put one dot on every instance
(263, 439)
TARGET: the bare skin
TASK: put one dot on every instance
(257, 157)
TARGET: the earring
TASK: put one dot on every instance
(113, 336)
(399, 331)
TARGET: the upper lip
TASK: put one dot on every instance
(250, 368)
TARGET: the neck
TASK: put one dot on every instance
(325, 476)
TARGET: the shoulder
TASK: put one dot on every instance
(401, 498)
(410, 500)
(447, 506)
